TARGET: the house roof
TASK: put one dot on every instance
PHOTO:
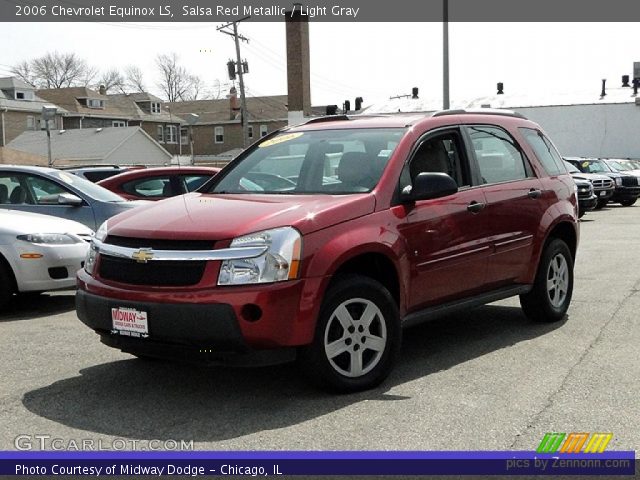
(10, 83)
(118, 106)
(33, 105)
(78, 144)
(265, 108)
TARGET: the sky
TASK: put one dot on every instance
(370, 60)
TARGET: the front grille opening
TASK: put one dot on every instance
(58, 273)
(160, 244)
(159, 273)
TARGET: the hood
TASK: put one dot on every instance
(590, 176)
(22, 223)
(199, 216)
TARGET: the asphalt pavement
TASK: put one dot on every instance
(485, 379)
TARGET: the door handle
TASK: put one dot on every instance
(534, 193)
(475, 207)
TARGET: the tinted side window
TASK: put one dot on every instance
(45, 191)
(150, 187)
(545, 151)
(498, 155)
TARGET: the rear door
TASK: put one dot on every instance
(447, 238)
(515, 201)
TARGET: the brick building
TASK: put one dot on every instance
(87, 108)
(21, 110)
(218, 128)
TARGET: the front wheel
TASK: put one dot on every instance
(357, 338)
(6, 285)
(550, 297)
(627, 203)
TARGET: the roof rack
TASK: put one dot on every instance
(479, 111)
(327, 118)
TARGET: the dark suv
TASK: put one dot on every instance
(627, 186)
(387, 222)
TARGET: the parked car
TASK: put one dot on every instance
(627, 186)
(39, 253)
(95, 173)
(603, 186)
(587, 200)
(158, 183)
(624, 166)
(58, 193)
(430, 215)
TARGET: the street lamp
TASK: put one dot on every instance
(191, 119)
(49, 113)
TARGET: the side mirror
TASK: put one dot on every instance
(69, 199)
(428, 185)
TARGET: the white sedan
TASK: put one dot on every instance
(39, 252)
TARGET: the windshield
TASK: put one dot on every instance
(571, 168)
(90, 189)
(594, 166)
(323, 161)
(620, 166)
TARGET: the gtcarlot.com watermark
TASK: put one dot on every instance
(48, 443)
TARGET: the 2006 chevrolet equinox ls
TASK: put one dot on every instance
(359, 227)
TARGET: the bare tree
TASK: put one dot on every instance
(134, 78)
(174, 77)
(55, 70)
(111, 79)
(24, 72)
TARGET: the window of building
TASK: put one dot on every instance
(171, 134)
(95, 103)
(545, 151)
(24, 95)
(218, 133)
(250, 131)
(156, 107)
(263, 131)
(184, 135)
(160, 133)
(498, 155)
(119, 123)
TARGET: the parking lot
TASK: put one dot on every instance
(484, 379)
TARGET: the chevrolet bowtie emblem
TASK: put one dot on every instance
(143, 255)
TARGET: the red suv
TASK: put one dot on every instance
(385, 222)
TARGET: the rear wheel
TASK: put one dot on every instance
(550, 297)
(627, 203)
(357, 338)
(6, 284)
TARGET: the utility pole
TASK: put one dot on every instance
(445, 54)
(240, 70)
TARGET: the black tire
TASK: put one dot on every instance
(543, 304)
(581, 213)
(354, 294)
(7, 286)
(627, 203)
(601, 204)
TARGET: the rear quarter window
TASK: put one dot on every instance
(545, 151)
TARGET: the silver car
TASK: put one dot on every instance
(53, 192)
(39, 252)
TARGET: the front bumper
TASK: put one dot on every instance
(587, 203)
(625, 194)
(192, 333)
(54, 270)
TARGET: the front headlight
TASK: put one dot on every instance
(280, 262)
(618, 181)
(50, 238)
(92, 253)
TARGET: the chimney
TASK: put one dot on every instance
(625, 80)
(359, 103)
(234, 107)
(347, 105)
(603, 93)
(414, 92)
(298, 69)
(500, 88)
(102, 90)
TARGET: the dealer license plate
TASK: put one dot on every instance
(602, 194)
(130, 322)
